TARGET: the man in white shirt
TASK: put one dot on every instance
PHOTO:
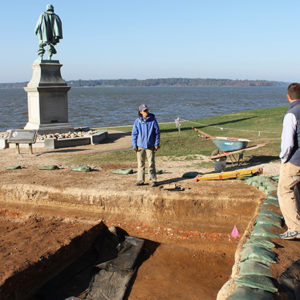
(288, 194)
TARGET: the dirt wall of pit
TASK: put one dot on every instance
(194, 210)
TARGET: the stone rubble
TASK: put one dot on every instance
(67, 135)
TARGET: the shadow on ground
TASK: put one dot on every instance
(147, 251)
(112, 137)
(61, 151)
(78, 277)
(172, 180)
(252, 162)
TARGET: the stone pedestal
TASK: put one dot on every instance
(47, 99)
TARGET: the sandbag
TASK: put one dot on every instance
(272, 196)
(13, 167)
(251, 267)
(262, 242)
(258, 254)
(255, 184)
(262, 180)
(269, 213)
(49, 167)
(269, 221)
(270, 202)
(257, 281)
(123, 171)
(270, 188)
(82, 169)
(243, 178)
(263, 230)
(190, 174)
(249, 180)
(247, 293)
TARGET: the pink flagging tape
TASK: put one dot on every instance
(235, 232)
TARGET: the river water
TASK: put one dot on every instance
(113, 106)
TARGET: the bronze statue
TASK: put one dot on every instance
(49, 31)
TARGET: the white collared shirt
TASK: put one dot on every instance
(287, 136)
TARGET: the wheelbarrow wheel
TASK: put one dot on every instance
(219, 163)
(217, 152)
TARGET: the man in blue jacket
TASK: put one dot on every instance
(145, 139)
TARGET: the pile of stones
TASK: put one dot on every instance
(67, 135)
(79, 132)
(4, 135)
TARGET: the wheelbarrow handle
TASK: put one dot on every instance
(205, 135)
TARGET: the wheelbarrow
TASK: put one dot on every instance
(227, 147)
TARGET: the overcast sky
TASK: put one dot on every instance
(111, 39)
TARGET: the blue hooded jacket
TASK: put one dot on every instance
(145, 133)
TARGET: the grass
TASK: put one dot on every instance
(260, 126)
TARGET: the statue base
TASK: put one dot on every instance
(50, 128)
(47, 98)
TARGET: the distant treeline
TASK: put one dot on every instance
(158, 82)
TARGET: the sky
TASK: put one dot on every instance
(113, 39)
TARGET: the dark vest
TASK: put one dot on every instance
(295, 155)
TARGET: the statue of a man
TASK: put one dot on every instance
(49, 31)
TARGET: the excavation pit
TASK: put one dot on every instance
(188, 253)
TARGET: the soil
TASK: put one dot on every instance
(178, 273)
(28, 244)
(43, 210)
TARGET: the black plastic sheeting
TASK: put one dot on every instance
(247, 293)
(113, 277)
(289, 281)
(106, 271)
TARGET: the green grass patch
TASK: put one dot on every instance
(259, 126)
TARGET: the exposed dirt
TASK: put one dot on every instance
(191, 221)
(33, 248)
(178, 273)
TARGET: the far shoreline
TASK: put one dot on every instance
(159, 82)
